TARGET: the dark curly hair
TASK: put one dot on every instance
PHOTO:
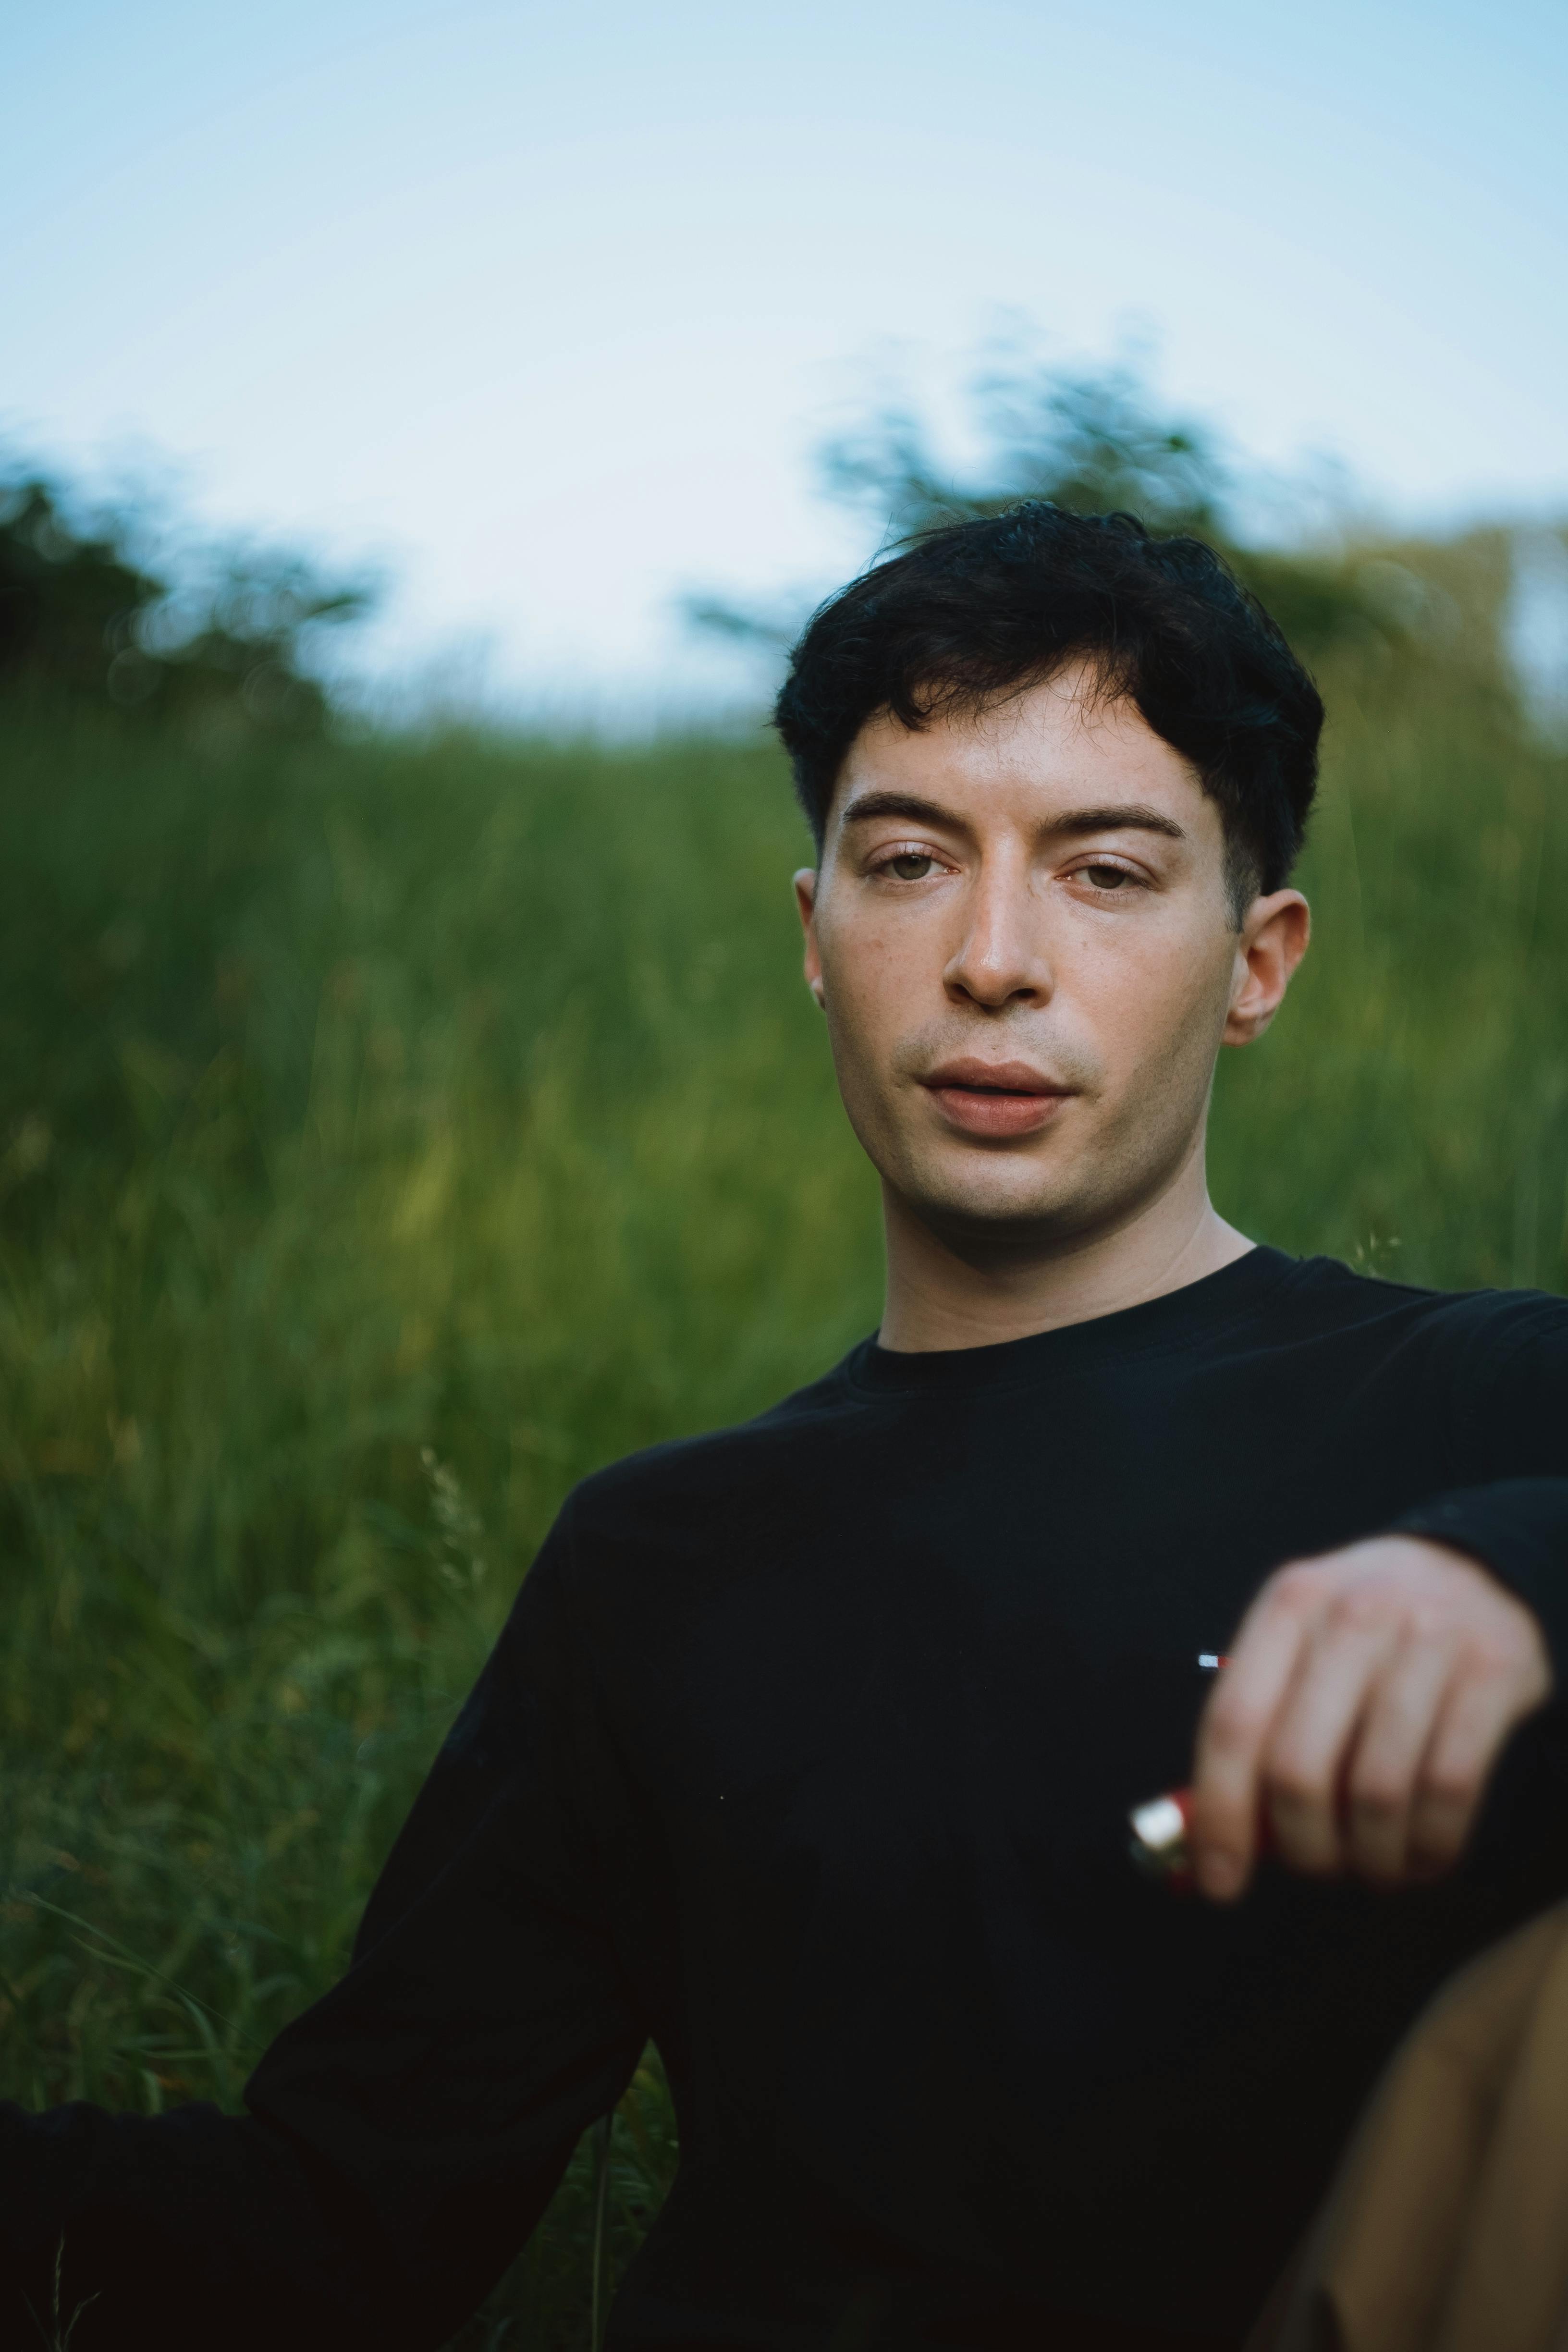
(971, 612)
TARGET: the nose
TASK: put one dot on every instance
(1001, 959)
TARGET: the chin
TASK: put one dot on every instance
(996, 1199)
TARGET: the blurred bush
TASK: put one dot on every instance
(1094, 441)
(388, 1135)
(86, 621)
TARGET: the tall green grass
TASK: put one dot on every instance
(391, 1134)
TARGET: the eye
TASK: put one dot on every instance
(909, 865)
(1116, 879)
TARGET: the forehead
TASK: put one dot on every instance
(1029, 758)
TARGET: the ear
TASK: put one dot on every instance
(1273, 941)
(805, 899)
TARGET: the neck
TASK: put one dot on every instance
(972, 1288)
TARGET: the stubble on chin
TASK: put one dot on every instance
(1017, 1194)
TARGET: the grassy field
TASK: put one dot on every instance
(389, 1134)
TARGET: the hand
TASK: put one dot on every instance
(1368, 1694)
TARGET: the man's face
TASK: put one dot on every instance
(1021, 936)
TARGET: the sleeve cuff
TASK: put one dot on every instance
(1517, 1528)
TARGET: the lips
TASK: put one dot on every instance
(995, 1099)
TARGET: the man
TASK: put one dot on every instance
(808, 1748)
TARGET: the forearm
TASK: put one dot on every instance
(187, 2229)
(405, 2132)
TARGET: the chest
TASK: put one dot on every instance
(977, 1642)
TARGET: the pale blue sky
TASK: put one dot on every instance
(548, 304)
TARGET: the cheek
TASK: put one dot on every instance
(868, 999)
(864, 970)
(1165, 1004)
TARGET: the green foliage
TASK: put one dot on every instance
(1094, 442)
(386, 1137)
(389, 1135)
(216, 641)
(1089, 441)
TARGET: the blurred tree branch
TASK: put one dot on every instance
(224, 634)
(1093, 441)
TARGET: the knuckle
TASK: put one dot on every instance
(1292, 1781)
(1358, 1606)
(1312, 1857)
(1520, 1649)
(1433, 1849)
(1376, 1848)
(1429, 1623)
(1235, 1723)
(1380, 1796)
(1488, 1656)
(1449, 1788)
(1299, 1589)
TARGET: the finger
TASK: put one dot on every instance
(1304, 1765)
(1482, 1708)
(1396, 1737)
(1235, 1724)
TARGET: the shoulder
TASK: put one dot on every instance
(640, 1545)
(1474, 1331)
(651, 1547)
(680, 1491)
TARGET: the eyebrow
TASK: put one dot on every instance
(1130, 816)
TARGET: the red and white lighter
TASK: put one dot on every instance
(1161, 1843)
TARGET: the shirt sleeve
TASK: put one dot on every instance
(403, 2135)
(1508, 1506)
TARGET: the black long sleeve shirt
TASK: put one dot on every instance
(806, 1752)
